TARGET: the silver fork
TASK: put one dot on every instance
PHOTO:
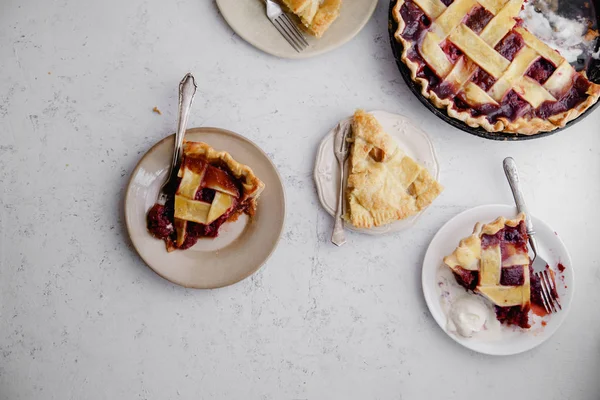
(549, 298)
(285, 26)
(340, 149)
(187, 90)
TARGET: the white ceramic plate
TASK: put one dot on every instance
(242, 247)
(411, 139)
(248, 19)
(511, 340)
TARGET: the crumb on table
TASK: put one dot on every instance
(156, 110)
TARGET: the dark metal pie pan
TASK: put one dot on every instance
(567, 8)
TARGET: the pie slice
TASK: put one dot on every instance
(494, 262)
(475, 60)
(384, 184)
(316, 15)
(213, 188)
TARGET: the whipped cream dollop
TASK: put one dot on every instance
(468, 315)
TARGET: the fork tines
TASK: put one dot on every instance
(549, 298)
(286, 27)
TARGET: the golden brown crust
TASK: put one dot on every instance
(315, 15)
(499, 223)
(252, 186)
(384, 184)
(328, 12)
(519, 126)
(296, 6)
(468, 252)
(489, 261)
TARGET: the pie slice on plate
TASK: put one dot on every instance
(213, 188)
(316, 15)
(494, 262)
(384, 184)
(475, 60)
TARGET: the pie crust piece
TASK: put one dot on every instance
(316, 15)
(384, 184)
(213, 188)
(494, 262)
(475, 60)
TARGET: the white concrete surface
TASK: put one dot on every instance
(81, 317)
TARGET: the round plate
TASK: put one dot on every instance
(510, 340)
(248, 19)
(411, 139)
(593, 72)
(242, 247)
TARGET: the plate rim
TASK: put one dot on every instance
(305, 54)
(428, 300)
(456, 123)
(128, 193)
(348, 226)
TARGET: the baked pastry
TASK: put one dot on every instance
(494, 262)
(384, 184)
(213, 188)
(316, 15)
(475, 60)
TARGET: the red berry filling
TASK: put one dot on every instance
(540, 70)
(512, 276)
(415, 20)
(452, 52)
(478, 18)
(483, 79)
(510, 45)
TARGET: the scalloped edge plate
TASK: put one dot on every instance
(410, 138)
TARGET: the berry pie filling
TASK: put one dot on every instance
(510, 103)
(206, 195)
(478, 19)
(160, 219)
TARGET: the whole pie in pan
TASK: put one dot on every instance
(474, 59)
(213, 188)
(494, 262)
(316, 15)
(384, 184)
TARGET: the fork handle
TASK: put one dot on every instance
(338, 237)
(512, 174)
(187, 90)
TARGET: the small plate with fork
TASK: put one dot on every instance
(249, 20)
(410, 138)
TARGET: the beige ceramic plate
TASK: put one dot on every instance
(248, 19)
(242, 246)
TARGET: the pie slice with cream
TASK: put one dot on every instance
(384, 184)
(494, 262)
